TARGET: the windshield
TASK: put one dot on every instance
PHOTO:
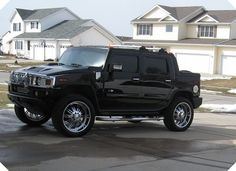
(84, 56)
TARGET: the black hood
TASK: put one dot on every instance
(55, 69)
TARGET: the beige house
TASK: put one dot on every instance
(202, 40)
(43, 34)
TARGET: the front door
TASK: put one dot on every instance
(121, 86)
(28, 49)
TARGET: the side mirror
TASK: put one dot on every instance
(115, 68)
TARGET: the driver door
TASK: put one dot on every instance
(122, 91)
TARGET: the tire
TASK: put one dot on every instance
(29, 118)
(73, 116)
(179, 115)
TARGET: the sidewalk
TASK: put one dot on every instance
(11, 61)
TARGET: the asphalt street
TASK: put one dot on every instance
(209, 145)
(4, 77)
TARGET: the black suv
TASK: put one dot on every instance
(105, 83)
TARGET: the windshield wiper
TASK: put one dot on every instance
(74, 64)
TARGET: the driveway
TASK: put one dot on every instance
(209, 145)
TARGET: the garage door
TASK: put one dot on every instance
(228, 65)
(195, 62)
(48, 52)
(38, 52)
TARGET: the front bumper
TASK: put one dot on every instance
(197, 101)
(35, 100)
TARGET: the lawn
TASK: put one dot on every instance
(221, 85)
(3, 96)
(4, 67)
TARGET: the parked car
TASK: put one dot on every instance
(106, 83)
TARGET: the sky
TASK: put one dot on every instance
(114, 15)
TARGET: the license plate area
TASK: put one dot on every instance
(21, 90)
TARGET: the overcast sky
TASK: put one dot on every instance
(115, 15)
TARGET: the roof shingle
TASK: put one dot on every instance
(37, 14)
(224, 16)
(63, 30)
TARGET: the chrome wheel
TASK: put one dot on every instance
(182, 115)
(76, 116)
(34, 116)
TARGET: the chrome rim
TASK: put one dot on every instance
(34, 116)
(76, 116)
(182, 114)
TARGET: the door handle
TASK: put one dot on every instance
(168, 81)
(136, 79)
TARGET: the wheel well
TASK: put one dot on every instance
(185, 94)
(85, 91)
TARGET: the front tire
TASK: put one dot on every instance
(31, 119)
(73, 116)
(179, 115)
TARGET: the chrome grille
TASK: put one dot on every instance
(19, 78)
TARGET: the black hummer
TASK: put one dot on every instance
(105, 83)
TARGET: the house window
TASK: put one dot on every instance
(144, 29)
(34, 25)
(207, 31)
(169, 28)
(16, 26)
(18, 45)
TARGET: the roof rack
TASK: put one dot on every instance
(135, 47)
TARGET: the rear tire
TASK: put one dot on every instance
(29, 118)
(179, 115)
(73, 116)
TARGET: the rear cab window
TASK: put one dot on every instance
(155, 64)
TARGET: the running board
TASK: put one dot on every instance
(120, 118)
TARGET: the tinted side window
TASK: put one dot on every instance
(155, 65)
(129, 62)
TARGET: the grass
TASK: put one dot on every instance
(219, 85)
(4, 67)
(3, 96)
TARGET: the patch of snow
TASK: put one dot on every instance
(215, 78)
(233, 91)
(13, 66)
(10, 105)
(224, 108)
(210, 91)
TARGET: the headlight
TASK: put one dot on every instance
(41, 81)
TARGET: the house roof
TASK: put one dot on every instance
(178, 13)
(183, 41)
(223, 16)
(230, 42)
(64, 30)
(124, 38)
(36, 14)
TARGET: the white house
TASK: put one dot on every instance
(43, 34)
(202, 40)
